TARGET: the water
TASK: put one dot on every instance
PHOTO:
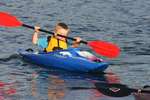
(124, 22)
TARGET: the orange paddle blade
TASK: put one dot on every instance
(7, 20)
(105, 48)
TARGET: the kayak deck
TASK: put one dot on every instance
(69, 59)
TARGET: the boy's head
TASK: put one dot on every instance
(62, 28)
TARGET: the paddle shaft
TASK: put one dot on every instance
(139, 91)
(129, 89)
(42, 30)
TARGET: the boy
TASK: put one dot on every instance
(54, 42)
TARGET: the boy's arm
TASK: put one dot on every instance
(35, 36)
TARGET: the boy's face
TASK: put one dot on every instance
(61, 31)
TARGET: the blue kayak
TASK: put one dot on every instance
(71, 59)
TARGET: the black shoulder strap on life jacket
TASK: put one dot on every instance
(48, 39)
(58, 44)
(66, 41)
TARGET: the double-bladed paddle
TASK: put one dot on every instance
(113, 89)
(100, 47)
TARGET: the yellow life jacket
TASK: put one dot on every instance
(54, 43)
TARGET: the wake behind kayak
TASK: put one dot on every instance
(70, 59)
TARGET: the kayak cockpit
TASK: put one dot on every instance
(74, 52)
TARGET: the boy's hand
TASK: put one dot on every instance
(36, 29)
(76, 42)
(78, 39)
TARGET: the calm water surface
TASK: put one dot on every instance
(124, 22)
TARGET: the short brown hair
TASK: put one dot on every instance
(63, 25)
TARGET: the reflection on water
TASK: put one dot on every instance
(33, 85)
(58, 85)
(43, 84)
(55, 88)
(7, 90)
(142, 96)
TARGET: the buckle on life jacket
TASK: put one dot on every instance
(57, 48)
